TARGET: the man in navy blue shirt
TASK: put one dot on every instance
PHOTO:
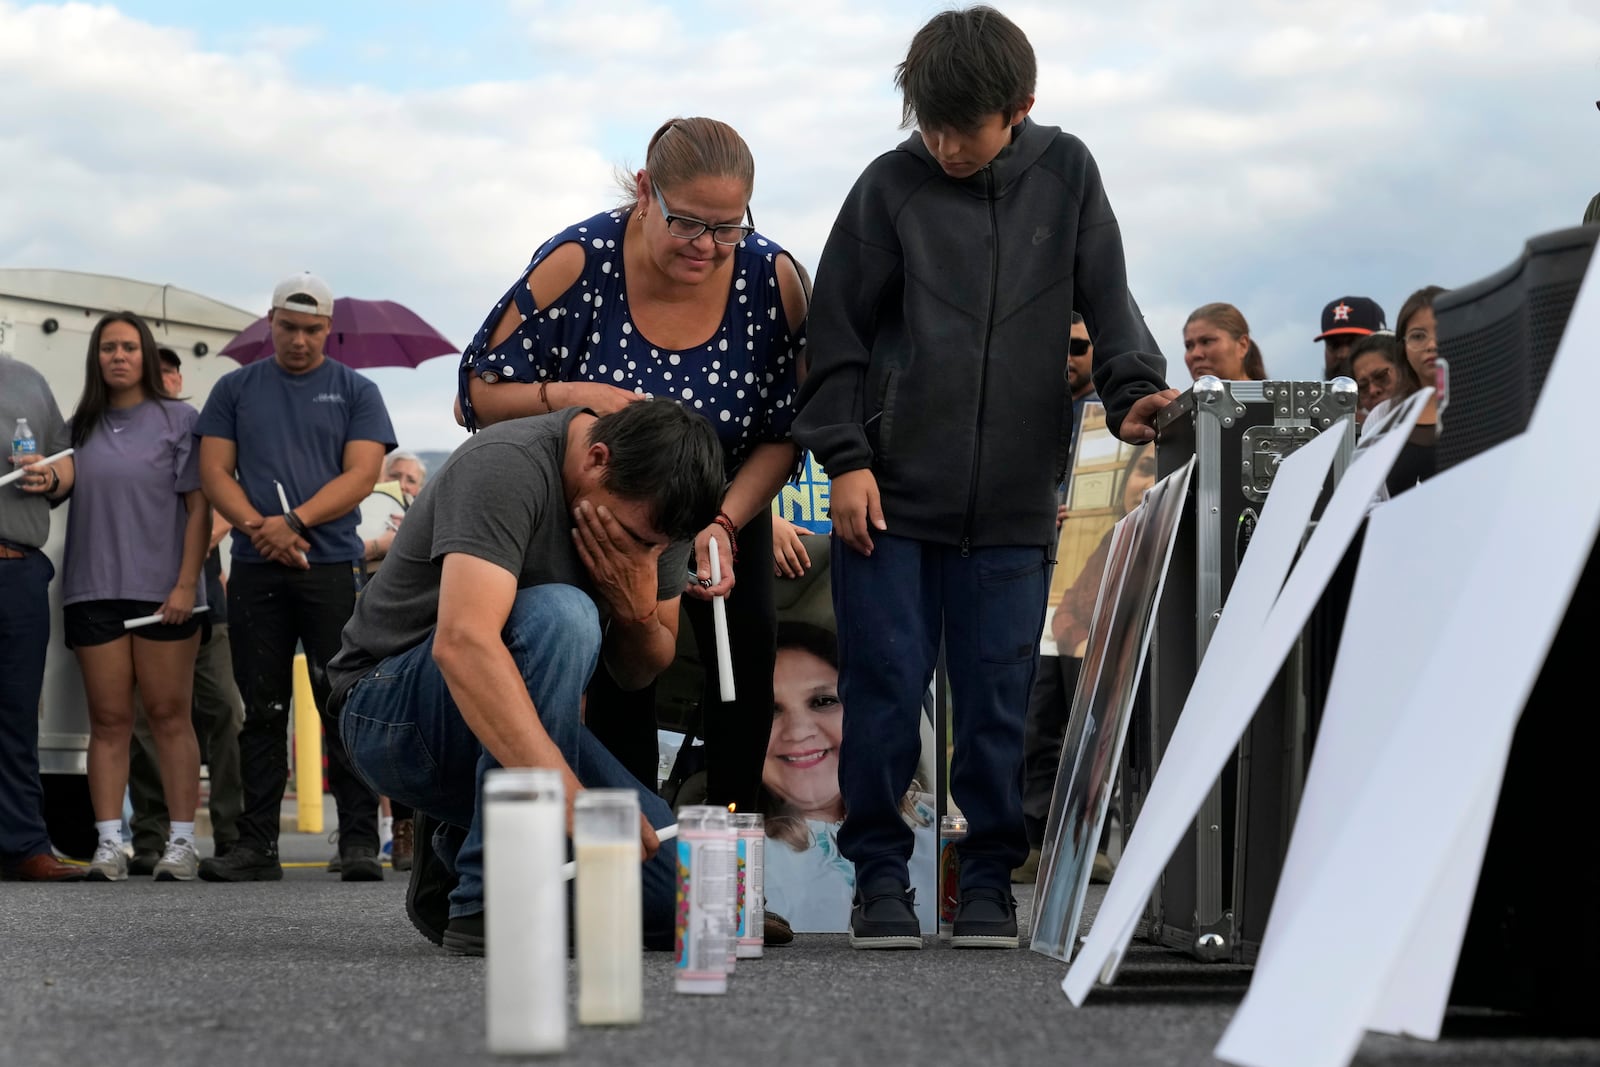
(319, 430)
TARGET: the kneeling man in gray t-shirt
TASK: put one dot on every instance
(542, 546)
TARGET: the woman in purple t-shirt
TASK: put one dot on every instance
(136, 541)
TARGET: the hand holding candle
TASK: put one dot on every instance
(283, 499)
(151, 620)
(7, 479)
(569, 869)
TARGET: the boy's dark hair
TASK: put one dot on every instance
(667, 457)
(962, 68)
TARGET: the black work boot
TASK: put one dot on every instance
(359, 863)
(244, 862)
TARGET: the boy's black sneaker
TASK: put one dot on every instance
(359, 863)
(243, 863)
(884, 915)
(986, 918)
(464, 935)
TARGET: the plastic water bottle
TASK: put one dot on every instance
(24, 446)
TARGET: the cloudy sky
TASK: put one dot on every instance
(1275, 156)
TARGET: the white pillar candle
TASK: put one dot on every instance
(610, 917)
(525, 911)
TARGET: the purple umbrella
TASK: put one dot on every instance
(365, 333)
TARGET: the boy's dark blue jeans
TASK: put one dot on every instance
(408, 740)
(891, 608)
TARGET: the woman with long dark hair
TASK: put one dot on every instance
(136, 541)
(1416, 328)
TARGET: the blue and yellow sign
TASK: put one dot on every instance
(804, 501)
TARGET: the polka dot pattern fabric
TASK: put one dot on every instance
(742, 380)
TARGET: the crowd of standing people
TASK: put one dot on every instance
(637, 396)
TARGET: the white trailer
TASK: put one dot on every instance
(46, 317)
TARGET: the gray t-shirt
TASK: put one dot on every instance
(499, 498)
(24, 394)
(125, 531)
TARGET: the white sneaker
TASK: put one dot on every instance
(180, 863)
(110, 864)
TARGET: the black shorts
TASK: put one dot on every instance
(99, 622)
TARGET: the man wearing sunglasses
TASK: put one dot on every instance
(1080, 362)
(1048, 702)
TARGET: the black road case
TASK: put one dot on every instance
(1214, 897)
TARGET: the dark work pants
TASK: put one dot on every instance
(24, 637)
(218, 715)
(892, 608)
(736, 733)
(1049, 705)
(270, 608)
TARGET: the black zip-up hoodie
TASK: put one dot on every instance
(939, 330)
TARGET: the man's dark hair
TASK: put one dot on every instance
(169, 358)
(1076, 318)
(963, 68)
(667, 457)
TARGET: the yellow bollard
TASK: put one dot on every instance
(307, 750)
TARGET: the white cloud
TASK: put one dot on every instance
(1273, 156)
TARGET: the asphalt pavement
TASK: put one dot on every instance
(312, 970)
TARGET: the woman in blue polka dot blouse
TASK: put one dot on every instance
(674, 294)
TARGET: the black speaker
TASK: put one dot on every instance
(1530, 944)
(1497, 337)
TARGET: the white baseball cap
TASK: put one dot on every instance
(305, 293)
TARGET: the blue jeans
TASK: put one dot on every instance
(892, 609)
(407, 738)
(24, 637)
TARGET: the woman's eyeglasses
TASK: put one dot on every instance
(1419, 338)
(686, 228)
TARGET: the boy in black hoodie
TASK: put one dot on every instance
(937, 401)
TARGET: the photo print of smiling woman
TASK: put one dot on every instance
(807, 881)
